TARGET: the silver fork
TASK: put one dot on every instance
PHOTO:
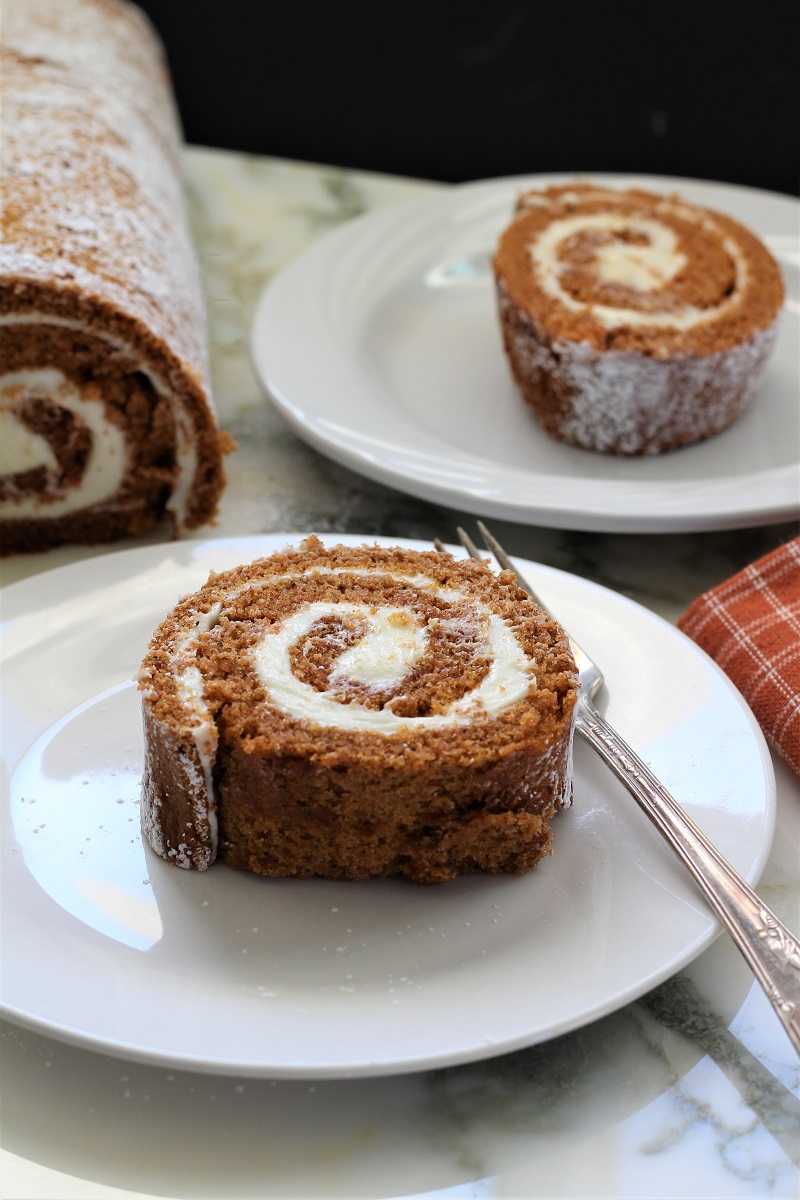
(771, 950)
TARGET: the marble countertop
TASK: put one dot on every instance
(690, 1091)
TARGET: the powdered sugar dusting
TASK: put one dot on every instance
(90, 164)
(632, 403)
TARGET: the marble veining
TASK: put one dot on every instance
(691, 1091)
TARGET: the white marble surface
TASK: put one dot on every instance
(691, 1091)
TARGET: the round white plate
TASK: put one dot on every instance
(106, 945)
(381, 346)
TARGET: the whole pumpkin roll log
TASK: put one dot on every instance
(352, 712)
(633, 323)
(106, 421)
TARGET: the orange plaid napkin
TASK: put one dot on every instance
(750, 625)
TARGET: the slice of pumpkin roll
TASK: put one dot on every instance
(357, 712)
(633, 323)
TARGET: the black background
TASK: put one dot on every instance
(452, 92)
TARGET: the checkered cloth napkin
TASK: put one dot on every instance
(750, 625)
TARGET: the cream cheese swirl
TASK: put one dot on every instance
(21, 449)
(393, 640)
(639, 253)
(507, 681)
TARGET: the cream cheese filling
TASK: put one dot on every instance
(645, 267)
(185, 448)
(393, 642)
(189, 688)
(507, 680)
(21, 449)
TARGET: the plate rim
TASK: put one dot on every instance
(198, 550)
(667, 507)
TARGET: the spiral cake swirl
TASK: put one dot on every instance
(633, 323)
(106, 421)
(354, 712)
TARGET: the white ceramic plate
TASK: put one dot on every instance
(106, 945)
(380, 344)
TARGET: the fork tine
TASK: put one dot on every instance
(505, 562)
(468, 544)
(497, 550)
(492, 544)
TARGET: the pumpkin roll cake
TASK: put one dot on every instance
(633, 323)
(357, 712)
(106, 421)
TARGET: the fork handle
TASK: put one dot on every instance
(768, 946)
